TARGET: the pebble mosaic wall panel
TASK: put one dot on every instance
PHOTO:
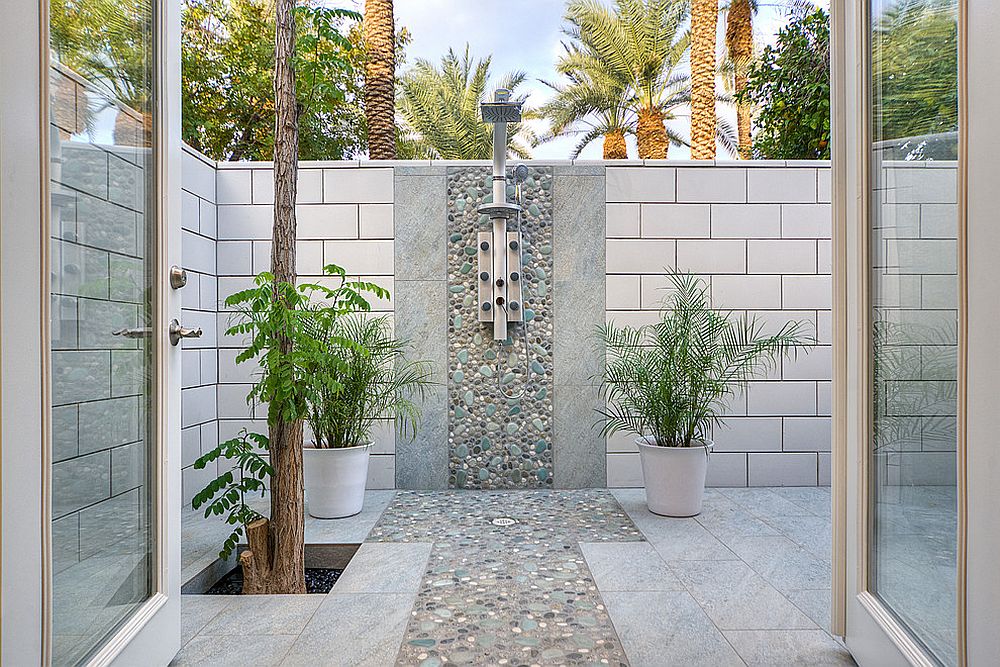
(499, 395)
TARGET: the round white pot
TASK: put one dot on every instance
(335, 480)
(674, 477)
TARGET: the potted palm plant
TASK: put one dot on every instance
(669, 383)
(364, 378)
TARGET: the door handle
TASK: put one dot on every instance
(135, 332)
(177, 332)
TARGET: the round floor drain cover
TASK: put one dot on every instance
(503, 521)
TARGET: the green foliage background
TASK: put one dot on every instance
(227, 64)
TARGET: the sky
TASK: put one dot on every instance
(525, 35)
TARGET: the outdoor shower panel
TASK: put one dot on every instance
(500, 247)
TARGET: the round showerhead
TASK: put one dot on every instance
(521, 173)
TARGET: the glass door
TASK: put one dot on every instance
(105, 261)
(906, 519)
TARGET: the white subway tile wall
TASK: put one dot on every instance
(759, 235)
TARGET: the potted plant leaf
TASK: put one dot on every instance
(669, 383)
(366, 379)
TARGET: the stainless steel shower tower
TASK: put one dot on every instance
(499, 248)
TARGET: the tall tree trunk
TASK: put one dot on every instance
(615, 147)
(275, 560)
(380, 74)
(739, 44)
(704, 22)
(651, 135)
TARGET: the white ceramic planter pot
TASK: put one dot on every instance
(335, 480)
(674, 477)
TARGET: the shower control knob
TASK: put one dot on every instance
(486, 305)
(499, 300)
(499, 282)
(513, 245)
(514, 305)
(514, 276)
(484, 276)
(485, 245)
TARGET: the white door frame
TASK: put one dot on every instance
(873, 635)
(152, 634)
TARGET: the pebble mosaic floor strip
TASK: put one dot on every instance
(507, 583)
(499, 402)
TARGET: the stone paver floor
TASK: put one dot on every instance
(549, 577)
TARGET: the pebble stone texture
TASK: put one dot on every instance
(518, 593)
(499, 402)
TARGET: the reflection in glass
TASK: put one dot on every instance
(101, 260)
(914, 313)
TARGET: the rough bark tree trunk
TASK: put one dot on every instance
(739, 44)
(380, 73)
(651, 135)
(704, 23)
(275, 560)
(615, 147)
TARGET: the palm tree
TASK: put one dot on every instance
(639, 42)
(704, 23)
(441, 109)
(380, 78)
(739, 48)
(593, 103)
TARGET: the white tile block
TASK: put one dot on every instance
(640, 184)
(806, 292)
(208, 219)
(824, 327)
(741, 292)
(229, 285)
(806, 221)
(190, 368)
(919, 185)
(209, 366)
(361, 257)
(639, 256)
(749, 434)
(781, 256)
(622, 292)
(209, 291)
(712, 256)
(363, 186)
(233, 401)
(381, 472)
(308, 257)
(309, 188)
(653, 289)
(825, 472)
(189, 212)
(624, 471)
(757, 221)
(327, 221)
(938, 221)
(824, 257)
(632, 318)
(197, 405)
(197, 177)
(234, 258)
(245, 222)
(823, 183)
(376, 221)
(781, 185)
(807, 434)
(233, 186)
(622, 220)
(232, 373)
(824, 398)
(711, 185)
(769, 469)
(778, 399)
(676, 221)
(939, 291)
(197, 252)
(816, 365)
(621, 442)
(727, 469)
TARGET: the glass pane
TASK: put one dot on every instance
(914, 312)
(101, 260)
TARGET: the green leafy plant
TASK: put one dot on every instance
(227, 493)
(268, 314)
(371, 380)
(789, 87)
(672, 379)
